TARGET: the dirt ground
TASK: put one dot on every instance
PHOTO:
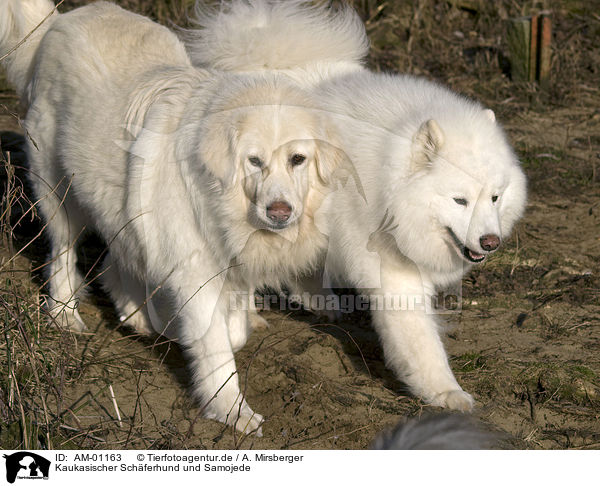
(526, 344)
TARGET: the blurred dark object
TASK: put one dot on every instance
(444, 431)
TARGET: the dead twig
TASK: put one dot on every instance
(24, 39)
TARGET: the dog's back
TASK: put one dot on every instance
(22, 26)
(101, 40)
(81, 46)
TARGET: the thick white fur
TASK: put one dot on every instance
(416, 147)
(129, 140)
(305, 41)
(413, 176)
(17, 20)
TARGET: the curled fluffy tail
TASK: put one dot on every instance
(250, 35)
(18, 19)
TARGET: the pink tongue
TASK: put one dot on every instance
(475, 256)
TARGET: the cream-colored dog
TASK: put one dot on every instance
(441, 188)
(202, 184)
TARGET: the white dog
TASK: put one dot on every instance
(443, 187)
(202, 184)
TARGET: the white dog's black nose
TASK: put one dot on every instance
(279, 212)
(489, 242)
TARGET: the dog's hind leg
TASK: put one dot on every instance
(64, 230)
(128, 295)
(64, 225)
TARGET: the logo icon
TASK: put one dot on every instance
(26, 464)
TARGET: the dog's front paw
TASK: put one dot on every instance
(258, 322)
(67, 317)
(243, 418)
(454, 400)
(247, 422)
(138, 323)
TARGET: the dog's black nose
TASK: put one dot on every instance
(279, 211)
(489, 242)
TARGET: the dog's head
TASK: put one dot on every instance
(466, 191)
(276, 146)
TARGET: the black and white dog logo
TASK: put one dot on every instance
(26, 464)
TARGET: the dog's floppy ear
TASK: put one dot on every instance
(426, 143)
(217, 148)
(328, 159)
(329, 156)
(335, 166)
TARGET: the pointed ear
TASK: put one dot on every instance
(218, 149)
(426, 143)
(490, 115)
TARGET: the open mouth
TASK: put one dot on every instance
(467, 253)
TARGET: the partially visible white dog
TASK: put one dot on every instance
(443, 186)
(203, 184)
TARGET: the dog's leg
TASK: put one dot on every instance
(128, 295)
(243, 318)
(215, 380)
(64, 223)
(204, 334)
(238, 323)
(315, 294)
(411, 341)
(65, 281)
(256, 321)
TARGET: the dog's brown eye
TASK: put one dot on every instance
(297, 159)
(461, 201)
(494, 198)
(255, 161)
